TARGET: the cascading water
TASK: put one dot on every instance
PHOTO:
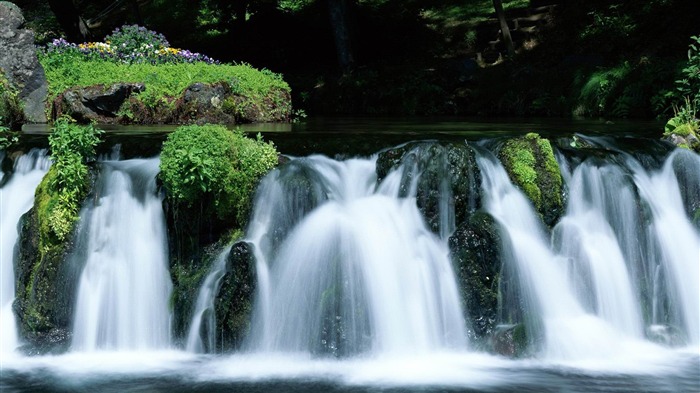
(551, 306)
(677, 241)
(204, 316)
(16, 198)
(122, 301)
(601, 198)
(359, 273)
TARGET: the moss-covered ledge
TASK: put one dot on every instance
(530, 163)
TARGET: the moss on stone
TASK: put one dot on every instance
(531, 165)
(10, 108)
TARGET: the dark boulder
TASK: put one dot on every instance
(475, 250)
(21, 68)
(234, 302)
(99, 103)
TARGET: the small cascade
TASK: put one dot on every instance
(204, 317)
(353, 270)
(16, 198)
(600, 199)
(677, 243)
(124, 288)
(551, 307)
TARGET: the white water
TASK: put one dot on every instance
(676, 238)
(569, 331)
(597, 267)
(122, 301)
(360, 273)
(204, 314)
(16, 198)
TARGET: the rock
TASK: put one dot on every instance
(666, 335)
(20, 65)
(44, 292)
(475, 250)
(510, 340)
(217, 103)
(448, 179)
(203, 103)
(46, 276)
(234, 303)
(531, 166)
(96, 103)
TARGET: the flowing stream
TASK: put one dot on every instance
(122, 300)
(355, 292)
(359, 273)
(16, 198)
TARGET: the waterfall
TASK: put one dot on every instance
(677, 241)
(551, 307)
(601, 199)
(124, 288)
(352, 270)
(16, 198)
(204, 316)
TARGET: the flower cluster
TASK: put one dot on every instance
(129, 44)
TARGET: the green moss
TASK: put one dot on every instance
(531, 165)
(10, 108)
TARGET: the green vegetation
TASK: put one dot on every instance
(133, 54)
(685, 124)
(7, 136)
(213, 163)
(66, 184)
(531, 165)
(10, 110)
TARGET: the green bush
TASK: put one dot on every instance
(212, 163)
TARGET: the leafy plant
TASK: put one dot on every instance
(212, 163)
(7, 137)
(689, 84)
(65, 185)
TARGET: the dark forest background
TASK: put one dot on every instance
(612, 59)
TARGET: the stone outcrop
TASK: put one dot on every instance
(20, 65)
(95, 103)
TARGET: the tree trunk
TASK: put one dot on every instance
(339, 17)
(505, 31)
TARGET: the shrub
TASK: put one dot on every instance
(66, 184)
(210, 162)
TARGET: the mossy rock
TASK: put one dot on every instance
(531, 165)
(234, 302)
(511, 341)
(187, 277)
(439, 166)
(46, 280)
(475, 250)
(11, 114)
